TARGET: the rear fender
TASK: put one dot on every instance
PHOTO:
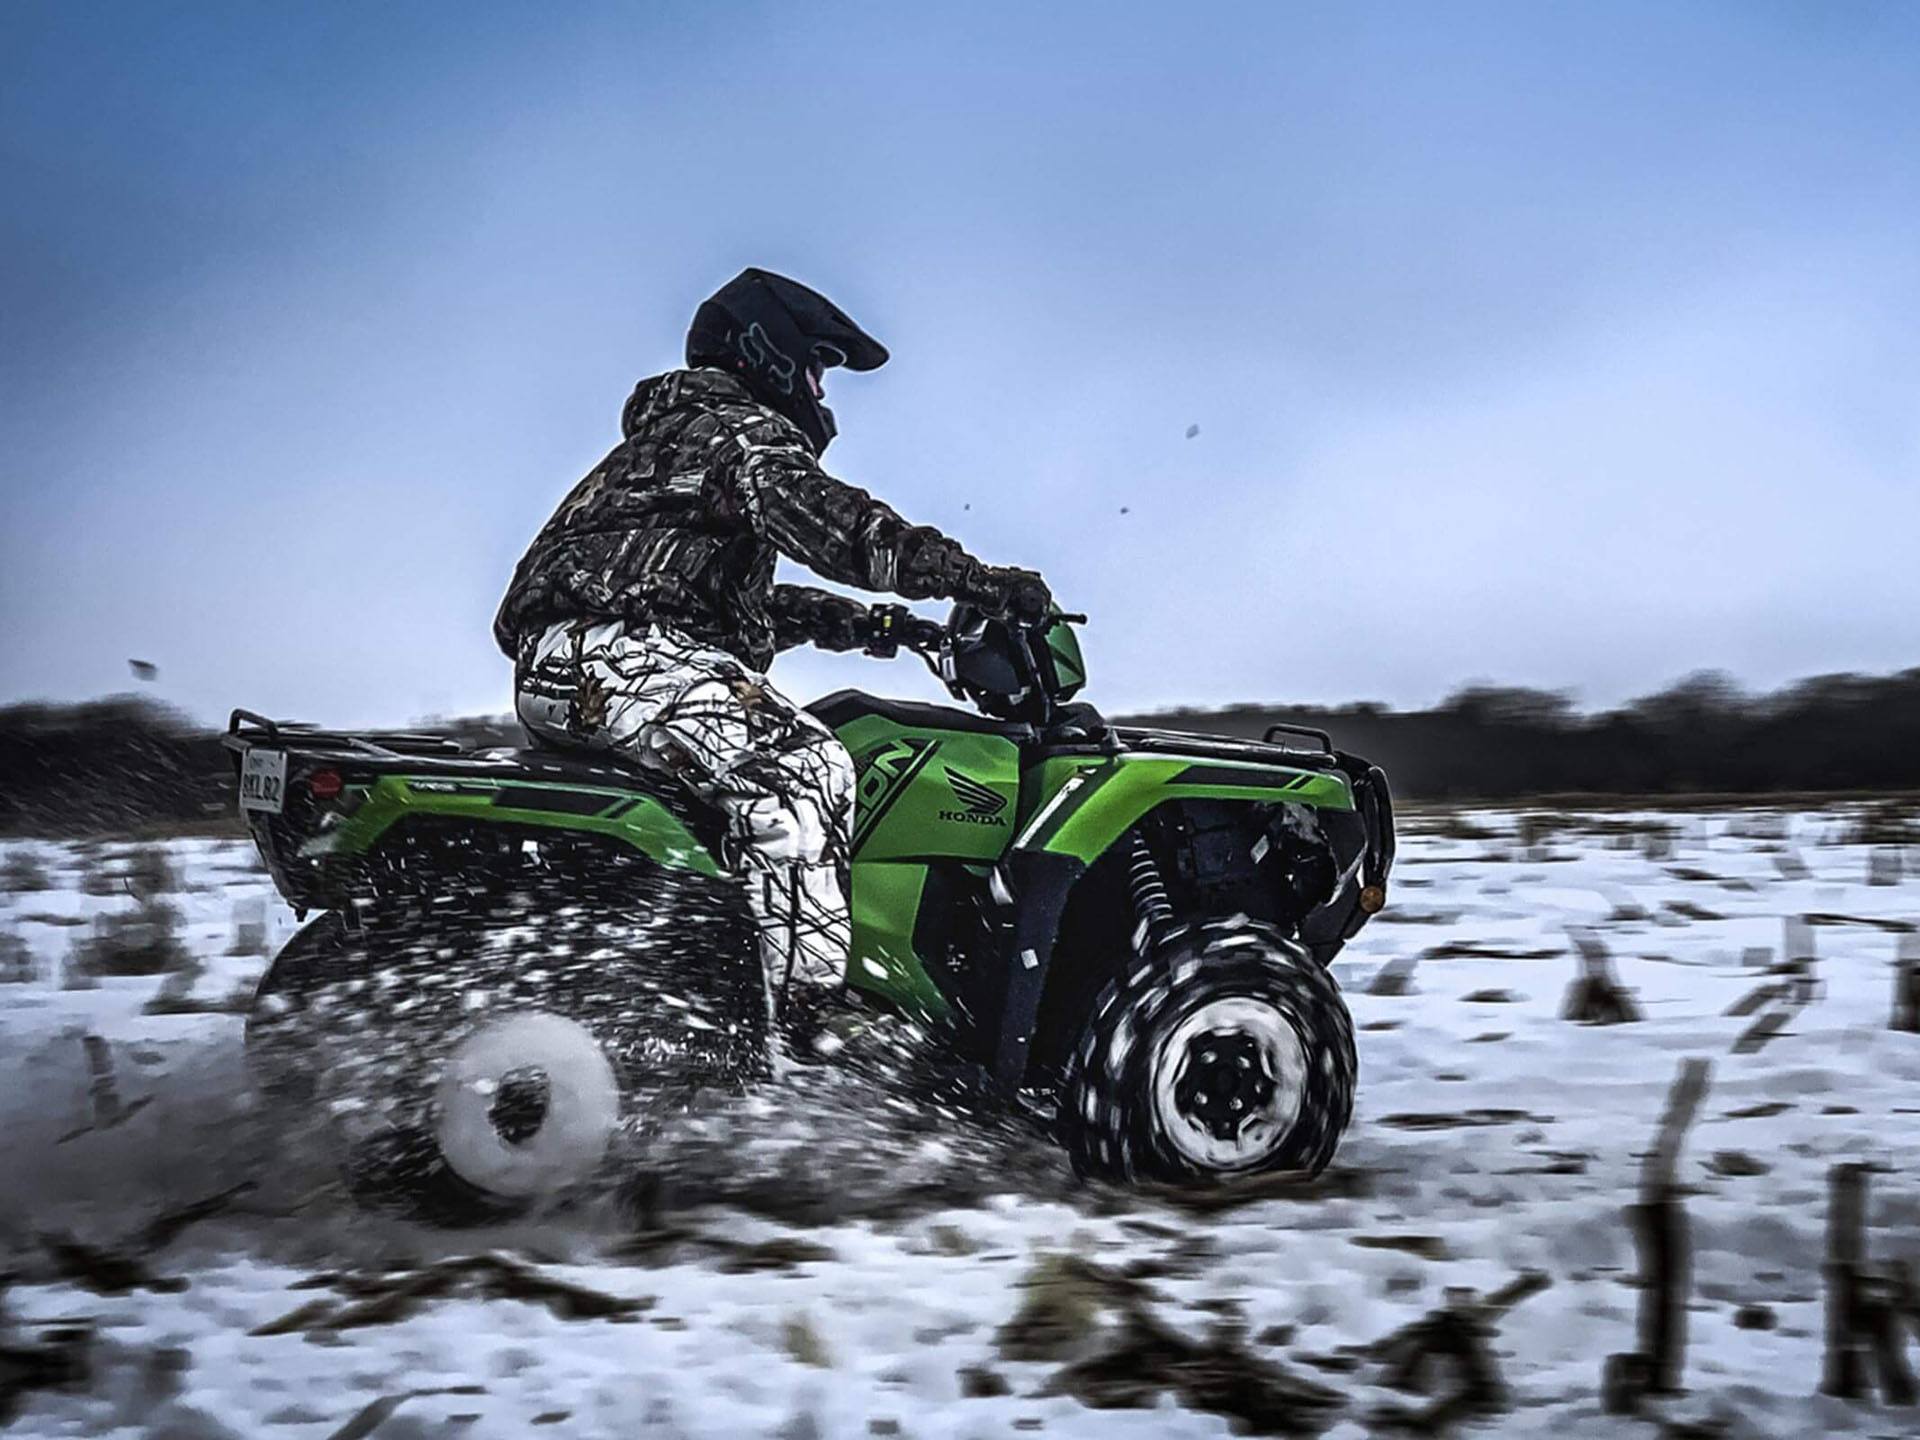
(635, 819)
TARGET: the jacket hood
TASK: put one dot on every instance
(658, 394)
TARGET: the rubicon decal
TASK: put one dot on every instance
(881, 777)
(983, 803)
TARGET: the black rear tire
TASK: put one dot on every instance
(1227, 1052)
(281, 1036)
(627, 1007)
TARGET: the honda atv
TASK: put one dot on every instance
(522, 951)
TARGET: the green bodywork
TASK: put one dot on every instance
(639, 820)
(928, 795)
(924, 795)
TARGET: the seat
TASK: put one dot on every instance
(844, 706)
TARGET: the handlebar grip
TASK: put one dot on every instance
(891, 626)
(921, 632)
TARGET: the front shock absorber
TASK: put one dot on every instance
(1152, 909)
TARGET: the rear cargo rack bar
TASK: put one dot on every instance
(248, 725)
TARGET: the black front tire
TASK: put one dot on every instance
(1226, 1052)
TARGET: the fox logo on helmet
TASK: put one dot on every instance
(774, 365)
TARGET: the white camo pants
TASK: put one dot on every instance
(782, 779)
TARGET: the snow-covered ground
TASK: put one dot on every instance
(1492, 1137)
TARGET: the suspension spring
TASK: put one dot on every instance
(1151, 907)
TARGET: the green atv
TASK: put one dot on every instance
(520, 952)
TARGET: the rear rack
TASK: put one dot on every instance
(246, 727)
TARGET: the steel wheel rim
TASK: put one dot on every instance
(1234, 1049)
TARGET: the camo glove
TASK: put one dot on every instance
(806, 615)
(1017, 595)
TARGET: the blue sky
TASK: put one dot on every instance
(1569, 345)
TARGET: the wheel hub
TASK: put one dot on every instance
(520, 1102)
(1224, 1083)
(1228, 1081)
(526, 1105)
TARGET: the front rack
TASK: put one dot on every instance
(1186, 742)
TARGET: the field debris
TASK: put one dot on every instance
(103, 1091)
(56, 1357)
(1661, 1239)
(385, 1298)
(1906, 986)
(1395, 977)
(1448, 1355)
(1145, 1358)
(1596, 996)
(1869, 1307)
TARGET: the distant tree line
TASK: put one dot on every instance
(127, 763)
(1701, 736)
(107, 767)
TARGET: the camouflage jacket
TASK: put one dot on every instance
(683, 521)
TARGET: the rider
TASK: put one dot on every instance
(644, 613)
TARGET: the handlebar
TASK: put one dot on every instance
(893, 626)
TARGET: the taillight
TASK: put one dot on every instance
(325, 784)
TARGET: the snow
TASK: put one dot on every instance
(1491, 1137)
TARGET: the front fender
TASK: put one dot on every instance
(1105, 798)
(1090, 810)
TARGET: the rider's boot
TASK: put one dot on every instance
(820, 1022)
(805, 933)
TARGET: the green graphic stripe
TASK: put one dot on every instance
(1115, 796)
(639, 821)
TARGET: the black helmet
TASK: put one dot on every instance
(777, 335)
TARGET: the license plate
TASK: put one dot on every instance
(263, 781)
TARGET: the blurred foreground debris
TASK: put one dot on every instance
(104, 1271)
(141, 941)
(1448, 1354)
(1866, 1305)
(1219, 1375)
(249, 928)
(1395, 977)
(1596, 996)
(1796, 986)
(58, 1357)
(17, 965)
(1115, 1352)
(1884, 866)
(22, 873)
(1129, 1365)
(1334, 1183)
(1659, 1225)
(1906, 985)
(386, 1297)
(1063, 1298)
(120, 1269)
(371, 1416)
(103, 1091)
